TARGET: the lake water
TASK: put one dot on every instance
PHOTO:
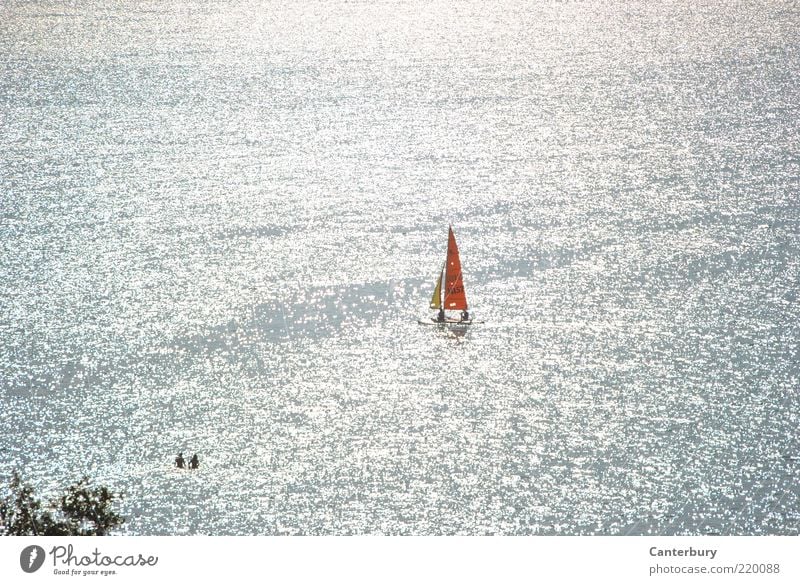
(220, 222)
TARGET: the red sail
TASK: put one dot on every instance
(455, 298)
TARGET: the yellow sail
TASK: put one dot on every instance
(436, 299)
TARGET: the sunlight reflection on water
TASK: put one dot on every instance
(220, 224)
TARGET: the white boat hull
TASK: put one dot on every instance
(449, 322)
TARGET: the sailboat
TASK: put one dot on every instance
(449, 294)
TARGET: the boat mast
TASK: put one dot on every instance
(444, 272)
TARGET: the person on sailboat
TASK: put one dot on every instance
(179, 461)
(440, 316)
(465, 315)
(194, 462)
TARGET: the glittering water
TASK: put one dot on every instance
(220, 222)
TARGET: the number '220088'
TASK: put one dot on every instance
(758, 568)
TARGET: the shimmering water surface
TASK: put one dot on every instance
(220, 222)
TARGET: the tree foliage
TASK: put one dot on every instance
(82, 511)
